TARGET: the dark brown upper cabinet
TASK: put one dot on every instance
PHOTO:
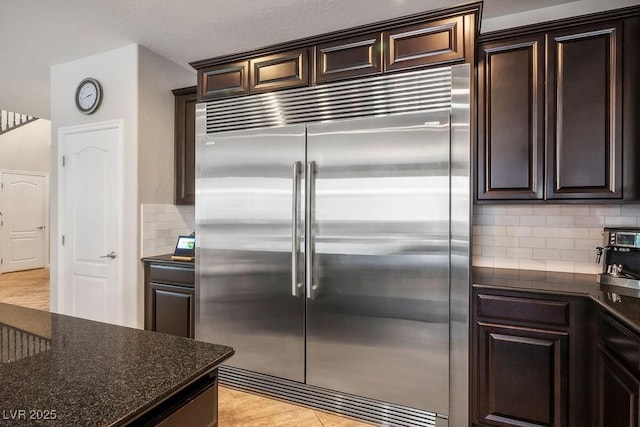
(438, 37)
(511, 119)
(224, 80)
(557, 108)
(352, 57)
(584, 120)
(185, 145)
(279, 71)
(424, 44)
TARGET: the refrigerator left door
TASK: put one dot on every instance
(249, 261)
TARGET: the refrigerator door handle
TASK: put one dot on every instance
(309, 241)
(295, 241)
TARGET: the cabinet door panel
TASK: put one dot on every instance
(511, 119)
(584, 94)
(223, 80)
(424, 44)
(618, 393)
(523, 375)
(280, 71)
(171, 309)
(185, 144)
(353, 57)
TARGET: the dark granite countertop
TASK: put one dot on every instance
(91, 373)
(622, 302)
(166, 259)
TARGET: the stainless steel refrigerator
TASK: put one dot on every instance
(324, 238)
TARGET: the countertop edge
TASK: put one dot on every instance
(133, 415)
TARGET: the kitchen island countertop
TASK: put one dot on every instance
(59, 370)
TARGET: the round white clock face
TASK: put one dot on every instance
(88, 96)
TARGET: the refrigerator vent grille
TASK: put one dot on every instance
(377, 412)
(424, 90)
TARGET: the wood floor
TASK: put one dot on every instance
(235, 408)
(26, 288)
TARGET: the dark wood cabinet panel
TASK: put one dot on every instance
(560, 123)
(523, 376)
(532, 362)
(169, 289)
(618, 393)
(533, 311)
(511, 119)
(279, 71)
(185, 146)
(171, 309)
(352, 57)
(584, 119)
(424, 44)
(444, 36)
(224, 80)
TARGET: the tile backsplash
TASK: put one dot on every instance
(531, 237)
(161, 226)
(545, 237)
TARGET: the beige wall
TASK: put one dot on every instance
(27, 148)
(156, 77)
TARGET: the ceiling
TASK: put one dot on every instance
(37, 34)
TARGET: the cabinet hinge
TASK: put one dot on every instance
(63, 240)
(64, 161)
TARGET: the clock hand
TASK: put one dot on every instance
(85, 97)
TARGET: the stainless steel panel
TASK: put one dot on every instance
(379, 323)
(244, 232)
(416, 91)
(460, 244)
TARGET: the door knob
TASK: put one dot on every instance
(111, 255)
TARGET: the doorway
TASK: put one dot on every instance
(89, 220)
(23, 221)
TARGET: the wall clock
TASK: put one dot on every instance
(88, 96)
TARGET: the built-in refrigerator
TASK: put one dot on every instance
(324, 229)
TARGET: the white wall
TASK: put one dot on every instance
(565, 10)
(117, 72)
(27, 148)
(137, 87)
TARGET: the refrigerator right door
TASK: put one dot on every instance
(378, 258)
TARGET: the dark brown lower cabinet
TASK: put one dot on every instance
(523, 375)
(169, 296)
(618, 374)
(618, 393)
(171, 309)
(532, 363)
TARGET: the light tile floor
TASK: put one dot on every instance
(235, 408)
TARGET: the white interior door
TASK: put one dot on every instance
(23, 221)
(90, 281)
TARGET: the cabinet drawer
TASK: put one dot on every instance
(524, 310)
(172, 275)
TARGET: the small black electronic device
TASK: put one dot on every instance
(185, 249)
